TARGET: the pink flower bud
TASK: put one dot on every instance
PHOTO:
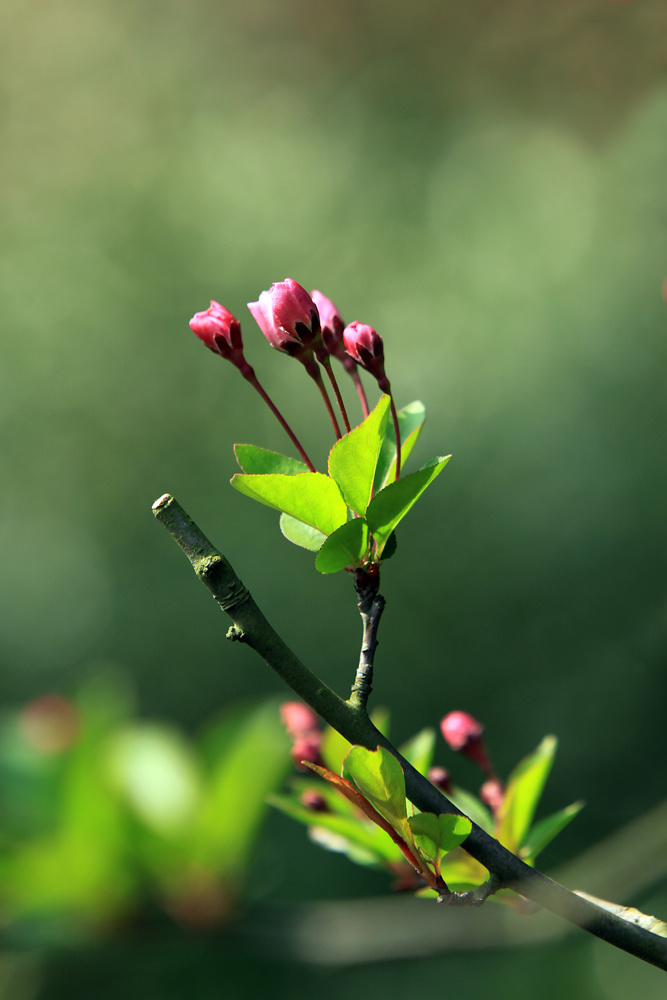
(441, 778)
(464, 734)
(49, 724)
(314, 801)
(364, 344)
(287, 316)
(331, 324)
(219, 330)
(306, 746)
(492, 793)
(297, 718)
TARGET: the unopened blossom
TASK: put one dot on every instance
(464, 734)
(287, 316)
(219, 330)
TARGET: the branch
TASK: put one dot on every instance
(250, 626)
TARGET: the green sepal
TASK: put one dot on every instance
(392, 504)
(310, 497)
(301, 534)
(410, 422)
(437, 835)
(524, 788)
(353, 459)
(544, 832)
(260, 461)
(345, 547)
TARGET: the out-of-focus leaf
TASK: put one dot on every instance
(310, 497)
(391, 505)
(524, 788)
(410, 422)
(353, 458)
(301, 534)
(260, 461)
(345, 547)
(419, 750)
(356, 829)
(544, 832)
(254, 762)
(471, 806)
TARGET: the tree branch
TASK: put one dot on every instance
(250, 626)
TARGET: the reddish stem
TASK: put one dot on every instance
(326, 364)
(249, 374)
(360, 391)
(313, 370)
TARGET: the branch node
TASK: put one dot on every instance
(235, 634)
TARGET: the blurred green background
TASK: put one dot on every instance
(485, 184)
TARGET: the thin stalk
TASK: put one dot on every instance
(325, 361)
(249, 374)
(371, 605)
(354, 374)
(313, 370)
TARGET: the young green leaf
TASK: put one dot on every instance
(437, 835)
(410, 422)
(524, 788)
(260, 461)
(310, 497)
(471, 806)
(544, 832)
(353, 459)
(345, 547)
(392, 504)
(301, 534)
(380, 779)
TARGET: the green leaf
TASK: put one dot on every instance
(410, 422)
(310, 497)
(524, 788)
(471, 806)
(260, 461)
(380, 779)
(301, 534)
(353, 459)
(357, 831)
(437, 835)
(345, 547)
(394, 501)
(419, 750)
(544, 832)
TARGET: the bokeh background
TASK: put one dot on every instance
(485, 184)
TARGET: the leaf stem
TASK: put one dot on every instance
(351, 721)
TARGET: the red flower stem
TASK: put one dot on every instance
(360, 391)
(326, 364)
(250, 376)
(314, 371)
(398, 437)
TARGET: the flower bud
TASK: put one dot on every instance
(441, 778)
(364, 344)
(492, 793)
(219, 330)
(49, 724)
(287, 316)
(464, 734)
(306, 746)
(314, 801)
(297, 718)
(332, 327)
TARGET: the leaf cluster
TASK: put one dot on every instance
(347, 517)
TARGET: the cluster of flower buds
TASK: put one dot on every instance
(308, 328)
(464, 734)
(302, 726)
